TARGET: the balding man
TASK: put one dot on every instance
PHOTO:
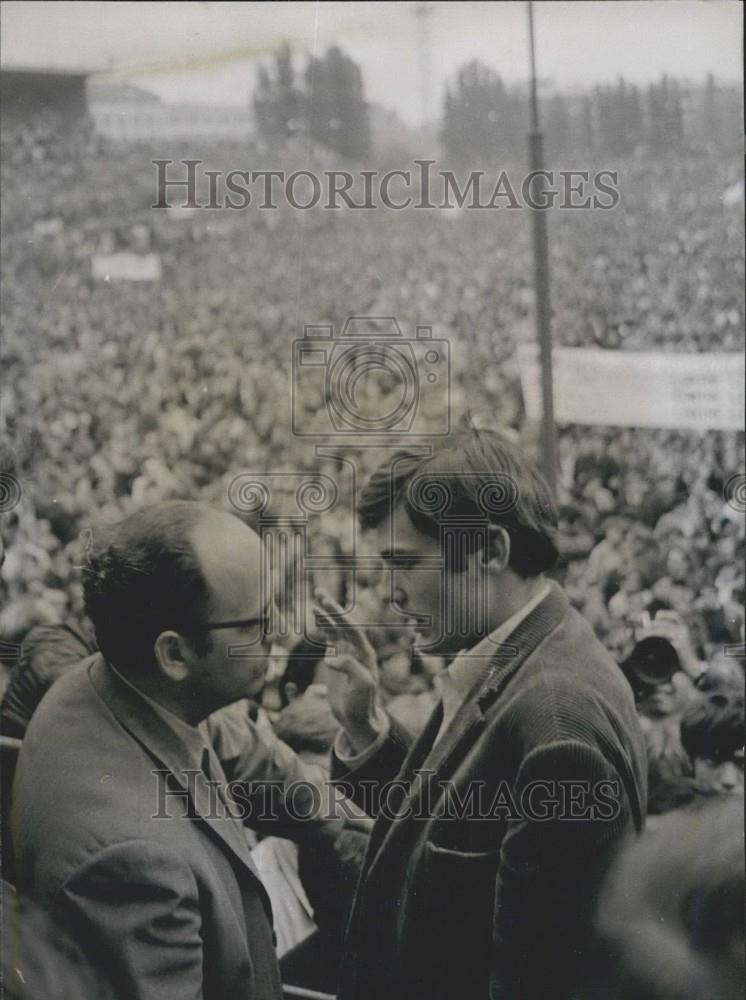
(123, 828)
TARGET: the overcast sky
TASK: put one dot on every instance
(208, 52)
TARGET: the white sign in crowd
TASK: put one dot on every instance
(126, 266)
(638, 388)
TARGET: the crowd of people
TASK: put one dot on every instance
(123, 393)
(118, 394)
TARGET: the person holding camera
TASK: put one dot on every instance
(663, 669)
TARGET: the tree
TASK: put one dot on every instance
(277, 100)
(483, 121)
(559, 127)
(619, 117)
(587, 120)
(334, 104)
(710, 110)
(665, 115)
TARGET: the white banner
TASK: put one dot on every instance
(638, 388)
(126, 266)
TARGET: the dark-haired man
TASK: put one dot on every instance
(123, 825)
(494, 828)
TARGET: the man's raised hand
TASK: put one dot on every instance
(353, 682)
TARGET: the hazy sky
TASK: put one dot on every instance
(208, 51)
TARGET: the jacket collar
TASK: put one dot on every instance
(505, 661)
(194, 739)
(166, 746)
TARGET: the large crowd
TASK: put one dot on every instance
(120, 393)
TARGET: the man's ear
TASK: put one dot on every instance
(496, 554)
(171, 655)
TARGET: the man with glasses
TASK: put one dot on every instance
(124, 825)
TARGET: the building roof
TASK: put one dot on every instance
(46, 70)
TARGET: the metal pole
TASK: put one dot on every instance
(422, 12)
(541, 282)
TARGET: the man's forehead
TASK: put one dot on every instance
(223, 532)
(230, 555)
(397, 533)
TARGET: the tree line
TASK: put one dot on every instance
(326, 103)
(485, 120)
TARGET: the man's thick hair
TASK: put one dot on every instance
(478, 477)
(144, 577)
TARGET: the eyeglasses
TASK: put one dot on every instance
(237, 623)
(264, 620)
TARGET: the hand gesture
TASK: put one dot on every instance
(353, 680)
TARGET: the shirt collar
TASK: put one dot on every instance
(195, 738)
(468, 666)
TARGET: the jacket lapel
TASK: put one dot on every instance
(520, 644)
(428, 762)
(168, 752)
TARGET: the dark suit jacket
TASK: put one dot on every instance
(547, 748)
(164, 908)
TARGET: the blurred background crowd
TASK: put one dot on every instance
(119, 393)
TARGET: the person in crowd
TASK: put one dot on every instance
(306, 722)
(712, 733)
(188, 390)
(48, 652)
(662, 669)
(311, 899)
(114, 396)
(457, 897)
(124, 826)
(59, 969)
(304, 670)
(671, 917)
(307, 726)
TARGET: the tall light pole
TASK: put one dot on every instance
(422, 12)
(541, 281)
